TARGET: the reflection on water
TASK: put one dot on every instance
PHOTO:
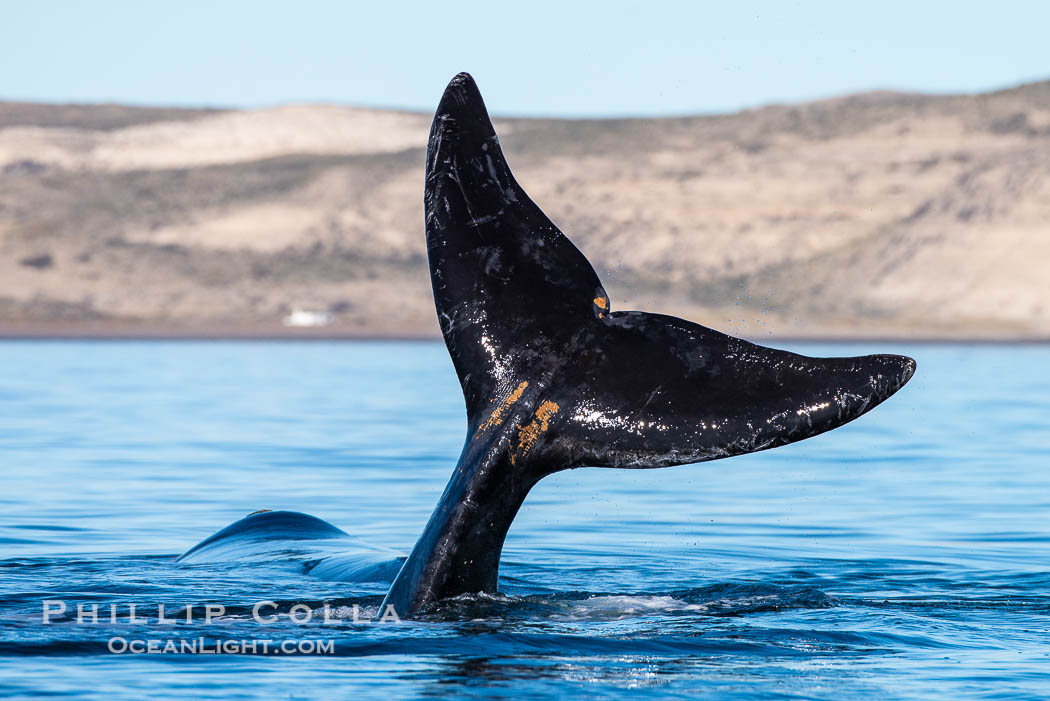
(907, 554)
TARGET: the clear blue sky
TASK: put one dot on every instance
(530, 57)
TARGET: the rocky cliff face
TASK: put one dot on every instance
(873, 215)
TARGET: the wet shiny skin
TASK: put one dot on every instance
(554, 378)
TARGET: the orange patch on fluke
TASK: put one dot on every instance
(601, 302)
(528, 435)
(497, 413)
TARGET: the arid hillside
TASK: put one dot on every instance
(873, 215)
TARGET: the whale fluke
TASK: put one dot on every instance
(526, 320)
(553, 378)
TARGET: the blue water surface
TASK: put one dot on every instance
(906, 555)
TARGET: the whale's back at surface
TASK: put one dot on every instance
(527, 322)
(310, 543)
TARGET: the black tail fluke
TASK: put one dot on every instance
(506, 281)
(553, 378)
(545, 362)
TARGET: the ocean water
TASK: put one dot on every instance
(906, 555)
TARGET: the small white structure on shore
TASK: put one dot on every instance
(307, 318)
